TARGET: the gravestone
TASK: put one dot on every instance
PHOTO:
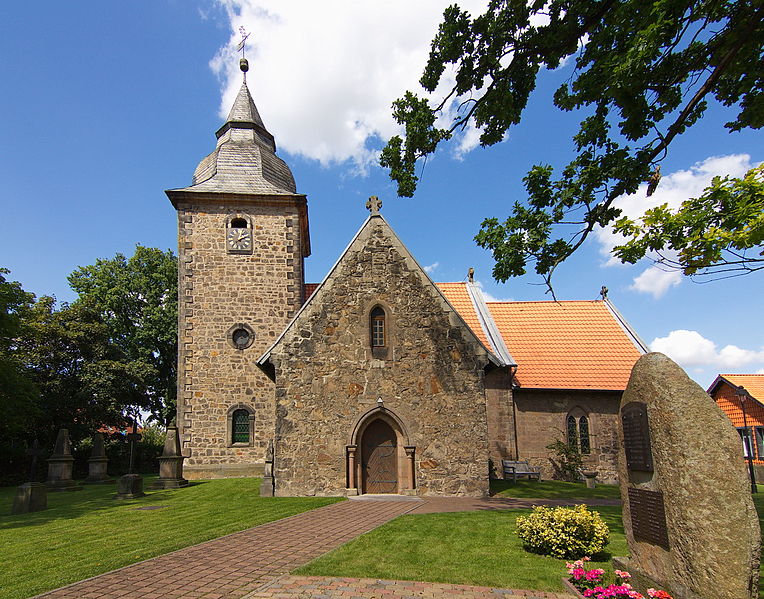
(98, 463)
(688, 515)
(171, 462)
(60, 465)
(31, 496)
(130, 486)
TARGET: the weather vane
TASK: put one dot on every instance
(243, 42)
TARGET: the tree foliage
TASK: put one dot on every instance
(17, 390)
(643, 72)
(137, 299)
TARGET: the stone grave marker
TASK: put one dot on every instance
(688, 514)
(267, 486)
(98, 463)
(31, 496)
(130, 486)
(171, 462)
(60, 465)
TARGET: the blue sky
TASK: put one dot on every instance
(106, 105)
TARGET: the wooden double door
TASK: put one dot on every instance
(379, 458)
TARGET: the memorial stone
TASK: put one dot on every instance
(171, 462)
(130, 486)
(689, 519)
(31, 496)
(98, 463)
(60, 465)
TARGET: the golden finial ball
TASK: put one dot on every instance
(244, 65)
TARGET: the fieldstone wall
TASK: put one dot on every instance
(430, 376)
(541, 416)
(217, 290)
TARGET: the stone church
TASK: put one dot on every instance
(376, 380)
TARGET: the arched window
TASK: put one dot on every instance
(239, 223)
(377, 328)
(240, 426)
(578, 431)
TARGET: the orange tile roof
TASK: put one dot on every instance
(457, 296)
(566, 345)
(753, 383)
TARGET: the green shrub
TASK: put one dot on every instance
(563, 532)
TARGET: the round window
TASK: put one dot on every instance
(241, 338)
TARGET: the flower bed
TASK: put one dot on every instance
(588, 584)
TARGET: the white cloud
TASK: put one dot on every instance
(488, 296)
(431, 268)
(691, 349)
(673, 189)
(324, 74)
(656, 281)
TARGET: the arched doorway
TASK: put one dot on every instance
(379, 458)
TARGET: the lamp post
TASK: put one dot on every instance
(742, 395)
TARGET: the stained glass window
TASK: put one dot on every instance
(240, 426)
(572, 431)
(583, 434)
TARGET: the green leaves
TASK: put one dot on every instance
(137, 300)
(712, 232)
(643, 74)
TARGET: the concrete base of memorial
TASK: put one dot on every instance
(129, 486)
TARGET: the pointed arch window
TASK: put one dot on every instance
(577, 427)
(378, 329)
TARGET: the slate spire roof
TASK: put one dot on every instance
(244, 159)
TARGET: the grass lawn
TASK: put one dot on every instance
(552, 489)
(478, 548)
(84, 533)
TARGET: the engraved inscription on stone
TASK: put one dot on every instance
(636, 437)
(648, 517)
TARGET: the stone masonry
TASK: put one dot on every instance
(429, 381)
(240, 191)
(218, 290)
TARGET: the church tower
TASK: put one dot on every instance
(242, 238)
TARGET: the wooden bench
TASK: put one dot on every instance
(520, 468)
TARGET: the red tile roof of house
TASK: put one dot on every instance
(308, 289)
(566, 345)
(753, 383)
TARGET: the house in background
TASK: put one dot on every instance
(723, 391)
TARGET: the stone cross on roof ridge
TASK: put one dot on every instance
(373, 205)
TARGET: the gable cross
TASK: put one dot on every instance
(373, 205)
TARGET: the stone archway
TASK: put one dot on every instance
(379, 458)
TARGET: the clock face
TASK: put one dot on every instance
(239, 239)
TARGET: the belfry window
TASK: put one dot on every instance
(378, 327)
(578, 432)
(240, 427)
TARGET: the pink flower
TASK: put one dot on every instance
(578, 573)
(622, 574)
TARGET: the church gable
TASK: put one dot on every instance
(377, 345)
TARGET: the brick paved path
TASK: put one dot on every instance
(304, 587)
(253, 563)
(237, 564)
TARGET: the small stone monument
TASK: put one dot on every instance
(130, 486)
(171, 462)
(267, 486)
(60, 465)
(31, 496)
(98, 463)
(690, 522)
